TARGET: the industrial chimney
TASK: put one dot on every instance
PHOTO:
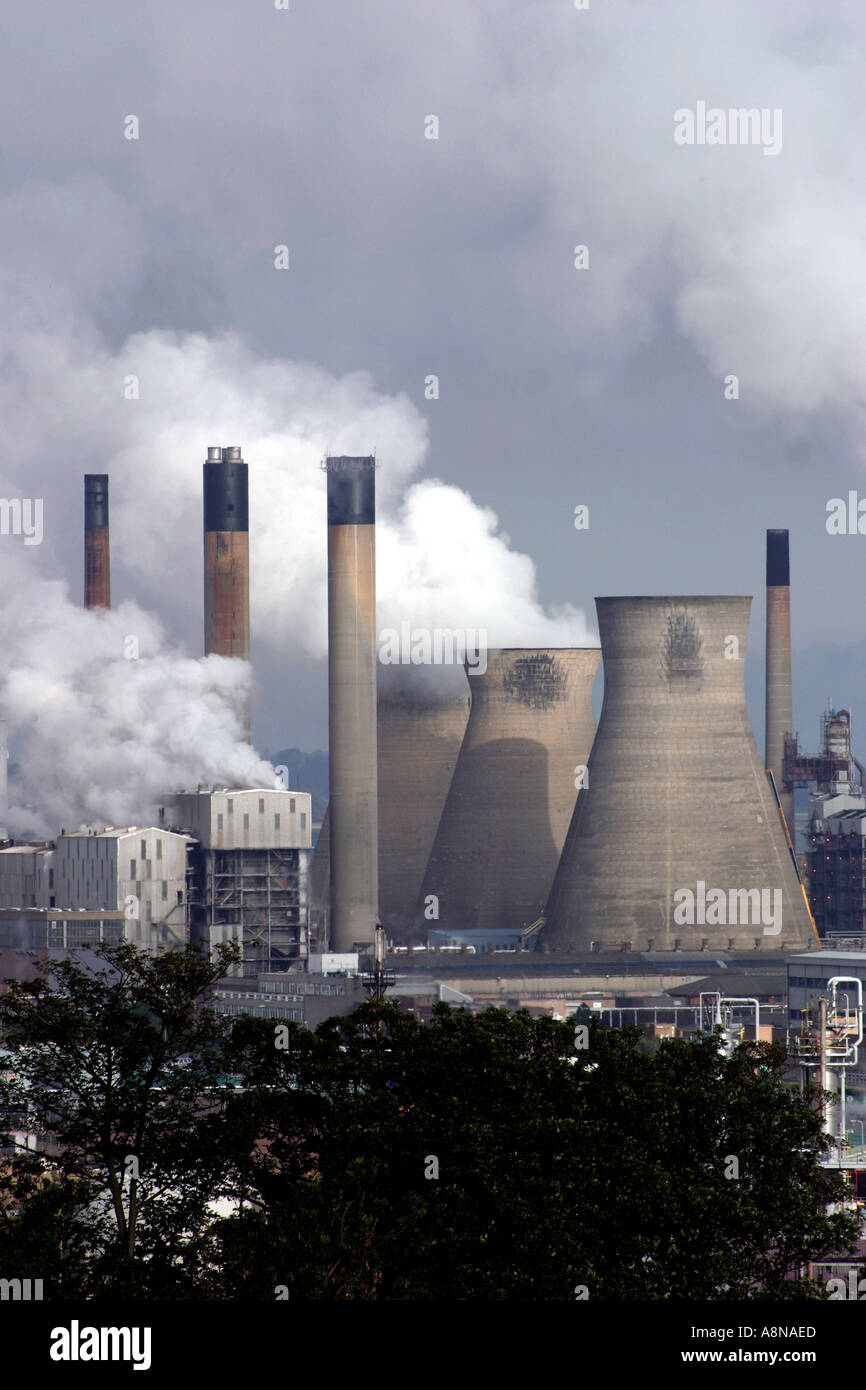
(779, 706)
(422, 713)
(4, 767)
(509, 806)
(676, 842)
(226, 556)
(352, 701)
(97, 553)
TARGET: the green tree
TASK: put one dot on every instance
(117, 1067)
(627, 1170)
(480, 1157)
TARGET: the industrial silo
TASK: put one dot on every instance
(421, 718)
(677, 841)
(505, 820)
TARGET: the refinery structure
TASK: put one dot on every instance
(503, 848)
(484, 843)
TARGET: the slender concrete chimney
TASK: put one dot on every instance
(226, 556)
(97, 553)
(779, 706)
(4, 794)
(352, 700)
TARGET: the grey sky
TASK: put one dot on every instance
(455, 257)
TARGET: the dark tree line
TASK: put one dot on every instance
(479, 1157)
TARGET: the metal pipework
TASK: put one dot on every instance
(97, 550)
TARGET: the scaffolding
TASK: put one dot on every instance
(254, 895)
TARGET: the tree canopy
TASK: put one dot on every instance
(488, 1156)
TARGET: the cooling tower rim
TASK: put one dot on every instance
(541, 647)
(673, 598)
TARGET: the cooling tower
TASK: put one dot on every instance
(508, 809)
(676, 840)
(779, 702)
(226, 556)
(352, 701)
(97, 550)
(419, 731)
(420, 734)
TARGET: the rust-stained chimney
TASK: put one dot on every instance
(779, 705)
(97, 553)
(352, 701)
(226, 555)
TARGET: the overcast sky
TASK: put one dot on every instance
(408, 257)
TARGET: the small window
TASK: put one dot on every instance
(303, 820)
(147, 912)
(180, 895)
(292, 805)
(132, 868)
(246, 822)
(148, 868)
(50, 878)
(165, 888)
(159, 849)
(51, 902)
(220, 820)
(276, 820)
(231, 807)
(144, 849)
(261, 805)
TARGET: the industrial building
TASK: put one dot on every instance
(836, 857)
(141, 871)
(249, 862)
(332, 987)
(522, 759)
(677, 842)
(26, 876)
(224, 865)
(37, 929)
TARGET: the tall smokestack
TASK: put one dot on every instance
(352, 700)
(97, 553)
(4, 795)
(226, 556)
(779, 706)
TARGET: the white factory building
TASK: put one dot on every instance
(140, 871)
(222, 864)
(250, 864)
(261, 818)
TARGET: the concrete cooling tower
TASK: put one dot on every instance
(420, 728)
(676, 841)
(419, 744)
(505, 820)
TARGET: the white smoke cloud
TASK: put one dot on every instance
(441, 559)
(756, 260)
(100, 738)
